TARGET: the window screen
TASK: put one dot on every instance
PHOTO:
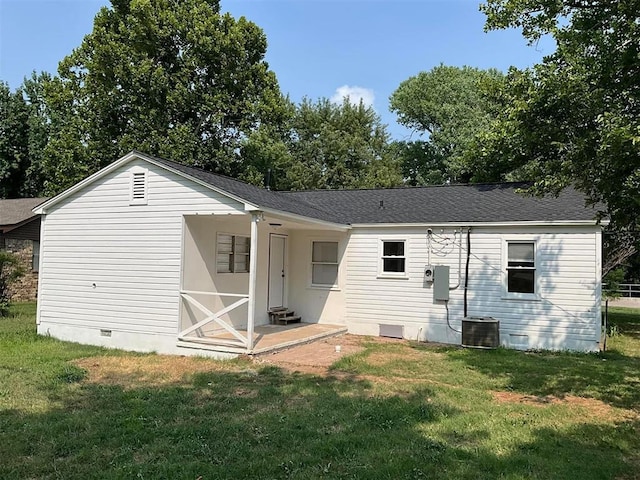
(324, 263)
(521, 267)
(393, 258)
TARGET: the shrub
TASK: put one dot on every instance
(10, 271)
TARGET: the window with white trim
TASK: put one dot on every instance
(393, 257)
(521, 267)
(138, 187)
(232, 254)
(324, 264)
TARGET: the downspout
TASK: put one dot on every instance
(466, 270)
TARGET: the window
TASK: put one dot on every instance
(393, 257)
(324, 264)
(35, 256)
(138, 186)
(232, 255)
(521, 267)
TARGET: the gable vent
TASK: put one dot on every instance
(138, 187)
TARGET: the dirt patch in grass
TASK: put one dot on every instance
(313, 358)
(596, 408)
(134, 371)
(378, 359)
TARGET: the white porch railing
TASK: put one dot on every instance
(240, 339)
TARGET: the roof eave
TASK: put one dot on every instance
(11, 227)
(302, 218)
(528, 223)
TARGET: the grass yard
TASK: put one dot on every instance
(395, 410)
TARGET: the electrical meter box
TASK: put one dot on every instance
(441, 282)
(428, 273)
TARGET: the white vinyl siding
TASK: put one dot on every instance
(107, 264)
(566, 314)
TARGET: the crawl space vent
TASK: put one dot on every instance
(391, 331)
(480, 332)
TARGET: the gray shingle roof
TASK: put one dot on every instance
(480, 203)
(251, 194)
(17, 210)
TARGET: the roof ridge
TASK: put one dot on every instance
(407, 187)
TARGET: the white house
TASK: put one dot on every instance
(151, 255)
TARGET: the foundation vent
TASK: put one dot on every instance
(391, 331)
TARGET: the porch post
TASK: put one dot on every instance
(253, 276)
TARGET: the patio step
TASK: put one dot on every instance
(283, 316)
(288, 319)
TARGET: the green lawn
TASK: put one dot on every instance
(396, 410)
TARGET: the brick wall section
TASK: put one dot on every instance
(27, 287)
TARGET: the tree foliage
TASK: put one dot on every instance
(174, 78)
(574, 118)
(14, 152)
(450, 105)
(23, 136)
(325, 145)
(420, 162)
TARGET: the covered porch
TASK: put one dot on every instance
(267, 338)
(236, 268)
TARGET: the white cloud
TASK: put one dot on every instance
(355, 94)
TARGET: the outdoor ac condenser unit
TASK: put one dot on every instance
(480, 332)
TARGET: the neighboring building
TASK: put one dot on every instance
(20, 234)
(151, 255)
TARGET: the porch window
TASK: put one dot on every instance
(393, 257)
(521, 268)
(324, 264)
(232, 255)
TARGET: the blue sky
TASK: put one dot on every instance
(317, 48)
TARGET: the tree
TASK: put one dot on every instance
(451, 106)
(326, 145)
(14, 152)
(574, 118)
(421, 163)
(174, 78)
(10, 271)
